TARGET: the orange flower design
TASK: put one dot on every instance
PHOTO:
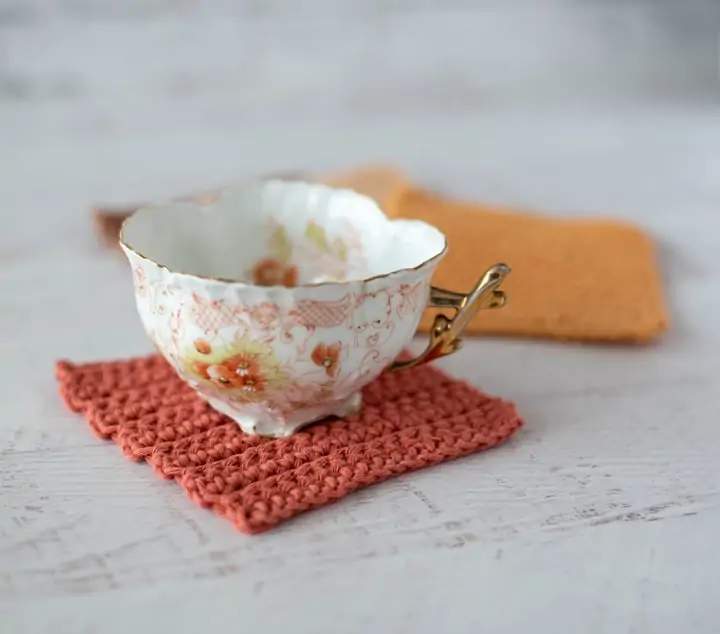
(271, 272)
(241, 371)
(247, 369)
(328, 357)
(202, 346)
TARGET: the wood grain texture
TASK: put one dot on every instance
(601, 516)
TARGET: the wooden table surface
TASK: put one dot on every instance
(602, 515)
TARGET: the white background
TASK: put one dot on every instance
(601, 516)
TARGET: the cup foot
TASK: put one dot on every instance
(259, 420)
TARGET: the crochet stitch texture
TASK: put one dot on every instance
(409, 420)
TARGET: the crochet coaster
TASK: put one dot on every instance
(410, 420)
(572, 279)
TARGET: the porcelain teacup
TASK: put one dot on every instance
(278, 301)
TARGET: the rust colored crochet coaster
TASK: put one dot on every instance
(410, 420)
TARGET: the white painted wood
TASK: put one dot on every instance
(601, 516)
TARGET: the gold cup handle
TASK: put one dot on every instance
(446, 331)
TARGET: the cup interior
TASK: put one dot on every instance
(283, 233)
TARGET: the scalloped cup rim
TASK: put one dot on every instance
(228, 191)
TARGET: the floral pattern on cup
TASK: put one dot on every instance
(272, 272)
(328, 357)
(317, 256)
(246, 367)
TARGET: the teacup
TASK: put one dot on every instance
(278, 301)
